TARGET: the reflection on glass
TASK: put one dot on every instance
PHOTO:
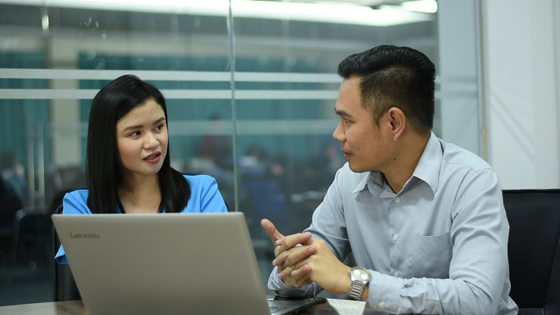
(54, 58)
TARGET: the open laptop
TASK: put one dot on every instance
(167, 264)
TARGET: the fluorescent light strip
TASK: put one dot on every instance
(307, 12)
(209, 76)
(425, 6)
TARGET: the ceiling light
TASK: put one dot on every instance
(339, 13)
(426, 6)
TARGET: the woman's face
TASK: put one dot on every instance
(142, 140)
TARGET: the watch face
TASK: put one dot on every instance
(361, 274)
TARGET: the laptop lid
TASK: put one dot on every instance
(164, 263)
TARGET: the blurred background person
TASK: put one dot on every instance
(13, 173)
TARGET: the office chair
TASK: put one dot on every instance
(267, 199)
(534, 249)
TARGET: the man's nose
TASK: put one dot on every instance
(338, 134)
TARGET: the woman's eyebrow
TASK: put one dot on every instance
(140, 126)
(158, 121)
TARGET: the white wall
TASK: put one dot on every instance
(522, 84)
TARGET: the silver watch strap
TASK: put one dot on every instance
(356, 290)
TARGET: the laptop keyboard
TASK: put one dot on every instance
(276, 308)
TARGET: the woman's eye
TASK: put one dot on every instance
(160, 127)
(135, 134)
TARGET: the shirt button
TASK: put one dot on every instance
(397, 199)
(396, 274)
(395, 237)
(381, 304)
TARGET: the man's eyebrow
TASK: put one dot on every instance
(140, 126)
(342, 113)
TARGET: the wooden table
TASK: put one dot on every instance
(332, 306)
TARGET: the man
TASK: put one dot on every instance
(424, 219)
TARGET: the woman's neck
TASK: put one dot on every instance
(140, 195)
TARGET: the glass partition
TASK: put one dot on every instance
(251, 89)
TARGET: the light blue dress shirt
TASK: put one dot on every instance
(205, 197)
(439, 246)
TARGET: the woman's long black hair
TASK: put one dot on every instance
(103, 175)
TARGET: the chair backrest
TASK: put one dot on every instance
(534, 249)
(268, 200)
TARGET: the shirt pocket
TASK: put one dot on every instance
(431, 256)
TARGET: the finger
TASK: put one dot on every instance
(271, 230)
(289, 282)
(292, 255)
(301, 276)
(296, 256)
(303, 263)
(291, 241)
(285, 273)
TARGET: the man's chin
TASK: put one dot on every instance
(355, 168)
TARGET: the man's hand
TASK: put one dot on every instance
(286, 252)
(271, 230)
(322, 267)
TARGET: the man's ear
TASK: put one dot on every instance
(397, 120)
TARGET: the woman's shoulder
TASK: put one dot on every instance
(76, 202)
(80, 194)
(199, 179)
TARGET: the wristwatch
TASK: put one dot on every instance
(360, 278)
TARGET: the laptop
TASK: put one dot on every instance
(167, 264)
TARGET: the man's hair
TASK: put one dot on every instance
(392, 76)
(103, 175)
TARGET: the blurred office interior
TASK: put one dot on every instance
(251, 88)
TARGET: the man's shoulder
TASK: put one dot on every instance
(457, 157)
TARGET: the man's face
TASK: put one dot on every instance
(364, 143)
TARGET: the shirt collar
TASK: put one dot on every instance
(427, 169)
(429, 164)
(373, 180)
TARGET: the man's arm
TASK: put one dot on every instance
(477, 272)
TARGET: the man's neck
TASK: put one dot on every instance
(399, 171)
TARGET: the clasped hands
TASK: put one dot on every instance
(313, 261)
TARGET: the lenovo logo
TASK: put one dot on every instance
(84, 235)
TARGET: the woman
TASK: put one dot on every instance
(127, 161)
